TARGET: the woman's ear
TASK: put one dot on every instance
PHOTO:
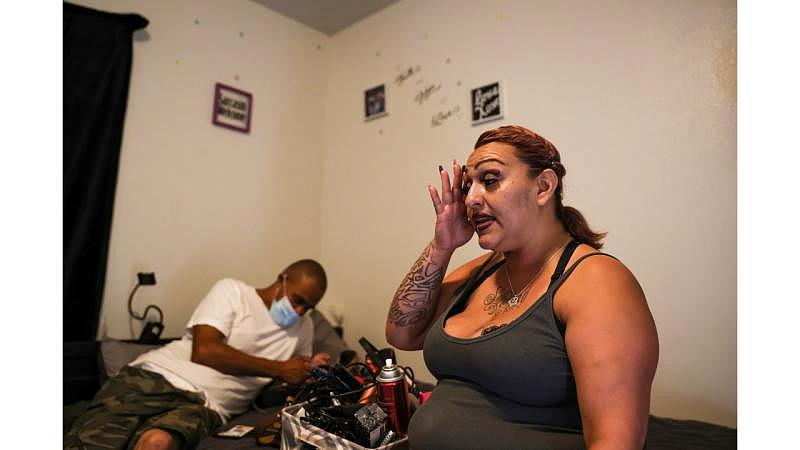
(546, 184)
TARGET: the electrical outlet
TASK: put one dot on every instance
(147, 278)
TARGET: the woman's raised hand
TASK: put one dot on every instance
(452, 227)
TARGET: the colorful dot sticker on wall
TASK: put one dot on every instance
(380, 131)
(196, 22)
(377, 54)
(241, 34)
(424, 35)
(236, 77)
(501, 16)
(458, 83)
(447, 61)
(177, 61)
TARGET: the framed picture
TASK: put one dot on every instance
(487, 103)
(375, 102)
(232, 108)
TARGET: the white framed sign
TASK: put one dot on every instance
(487, 103)
(232, 108)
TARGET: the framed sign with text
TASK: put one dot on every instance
(232, 108)
(487, 103)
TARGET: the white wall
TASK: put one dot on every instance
(196, 202)
(639, 97)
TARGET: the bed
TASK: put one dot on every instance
(88, 364)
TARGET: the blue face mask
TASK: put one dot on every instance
(282, 311)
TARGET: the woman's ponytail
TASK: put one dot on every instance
(577, 226)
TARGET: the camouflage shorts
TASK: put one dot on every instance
(134, 401)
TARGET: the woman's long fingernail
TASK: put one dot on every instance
(441, 169)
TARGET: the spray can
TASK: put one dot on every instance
(393, 395)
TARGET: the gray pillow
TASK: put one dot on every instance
(116, 354)
(325, 337)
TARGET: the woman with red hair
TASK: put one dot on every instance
(543, 342)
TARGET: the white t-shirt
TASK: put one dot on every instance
(236, 310)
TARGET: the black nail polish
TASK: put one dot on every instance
(441, 168)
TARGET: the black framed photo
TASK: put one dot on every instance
(375, 102)
(487, 103)
(233, 108)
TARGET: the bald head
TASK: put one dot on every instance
(305, 271)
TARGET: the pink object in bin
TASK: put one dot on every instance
(423, 397)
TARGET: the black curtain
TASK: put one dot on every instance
(98, 48)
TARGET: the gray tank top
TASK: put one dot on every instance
(517, 376)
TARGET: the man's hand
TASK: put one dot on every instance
(210, 349)
(295, 369)
(320, 359)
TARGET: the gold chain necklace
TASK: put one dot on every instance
(517, 297)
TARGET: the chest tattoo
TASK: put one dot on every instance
(498, 302)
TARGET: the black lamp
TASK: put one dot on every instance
(151, 330)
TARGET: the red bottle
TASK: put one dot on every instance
(393, 395)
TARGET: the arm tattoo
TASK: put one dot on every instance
(413, 301)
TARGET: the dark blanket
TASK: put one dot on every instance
(674, 434)
(261, 420)
(663, 434)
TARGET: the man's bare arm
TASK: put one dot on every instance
(209, 349)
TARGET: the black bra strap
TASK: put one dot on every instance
(556, 282)
(562, 262)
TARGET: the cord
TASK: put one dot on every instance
(412, 385)
(366, 370)
(409, 371)
(130, 301)
(148, 308)
(359, 390)
(160, 313)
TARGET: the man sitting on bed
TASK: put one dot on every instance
(237, 340)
